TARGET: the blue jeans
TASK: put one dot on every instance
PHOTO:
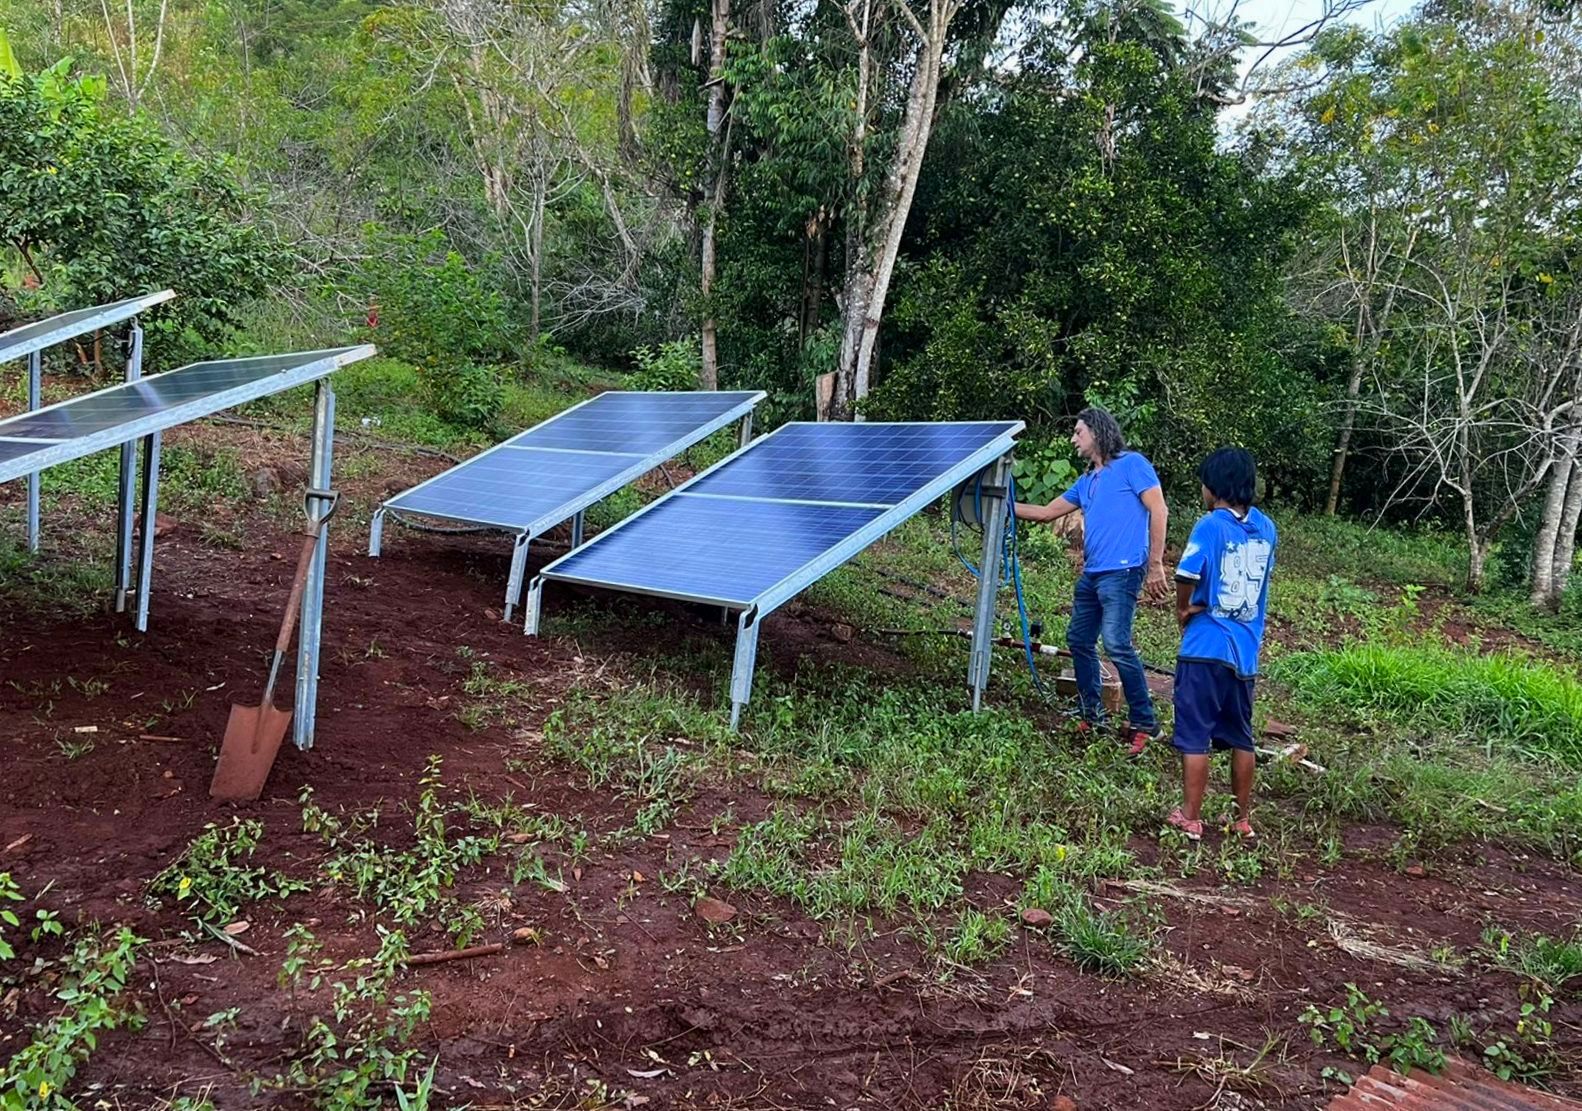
(1105, 604)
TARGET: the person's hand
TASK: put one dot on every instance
(1186, 613)
(1157, 588)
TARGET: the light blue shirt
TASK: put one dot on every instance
(1230, 559)
(1114, 519)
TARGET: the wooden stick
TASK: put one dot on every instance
(417, 959)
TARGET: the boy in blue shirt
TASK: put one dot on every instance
(1222, 595)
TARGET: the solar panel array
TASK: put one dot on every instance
(83, 425)
(771, 519)
(23, 341)
(551, 471)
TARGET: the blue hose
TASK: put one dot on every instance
(1010, 566)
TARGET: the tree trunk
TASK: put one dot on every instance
(1546, 543)
(1348, 421)
(1566, 544)
(709, 371)
(536, 252)
(815, 261)
(871, 266)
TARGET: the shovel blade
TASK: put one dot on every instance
(252, 739)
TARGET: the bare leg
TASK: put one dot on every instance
(1242, 766)
(1194, 779)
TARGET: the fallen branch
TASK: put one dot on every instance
(418, 959)
(239, 946)
(1296, 754)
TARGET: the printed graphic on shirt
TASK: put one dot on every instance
(1242, 570)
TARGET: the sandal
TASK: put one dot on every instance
(1243, 827)
(1192, 828)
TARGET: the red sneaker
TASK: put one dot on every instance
(1192, 827)
(1136, 743)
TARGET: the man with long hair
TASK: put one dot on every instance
(1123, 548)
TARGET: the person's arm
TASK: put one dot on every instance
(1153, 500)
(1185, 610)
(1045, 513)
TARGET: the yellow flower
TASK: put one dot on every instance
(1060, 853)
(183, 887)
(1328, 117)
(44, 1089)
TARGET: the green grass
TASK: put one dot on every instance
(1324, 546)
(1502, 701)
(1555, 963)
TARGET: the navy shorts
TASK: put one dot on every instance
(1213, 708)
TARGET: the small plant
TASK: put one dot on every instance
(976, 939)
(1551, 962)
(360, 1040)
(410, 885)
(674, 366)
(9, 893)
(1353, 1028)
(1109, 942)
(212, 879)
(73, 748)
(96, 972)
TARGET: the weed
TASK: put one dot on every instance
(1109, 942)
(360, 1041)
(1353, 1027)
(1550, 962)
(211, 879)
(976, 939)
(409, 885)
(73, 748)
(96, 972)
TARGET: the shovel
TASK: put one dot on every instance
(253, 733)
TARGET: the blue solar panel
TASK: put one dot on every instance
(631, 423)
(513, 487)
(553, 470)
(870, 463)
(722, 549)
(776, 516)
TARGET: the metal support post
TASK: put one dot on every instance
(576, 530)
(376, 533)
(744, 431)
(513, 585)
(128, 486)
(148, 513)
(742, 667)
(312, 619)
(535, 606)
(992, 515)
(35, 399)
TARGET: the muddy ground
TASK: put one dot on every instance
(626, 985)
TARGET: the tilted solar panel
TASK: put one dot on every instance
(760, 527)
(553, 471)
(23, 341)
(93, 422)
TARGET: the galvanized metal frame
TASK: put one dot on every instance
(752, 611)
(524, 533)
(127, 484)
(146, 433)
(13, 345)
(53, 452)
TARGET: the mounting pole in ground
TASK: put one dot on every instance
(742, 667)
(744, 432)
(321, 475)
(535, 606)
(513, 584)
(35, 399)
(128, 485)
(991, 499)
(376, 533)
(148, 511)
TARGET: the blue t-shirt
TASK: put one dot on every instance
(1114, 519)
(1230, 558)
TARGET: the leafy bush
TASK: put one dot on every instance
(675, 366)
(1043, 473)
(103, 206)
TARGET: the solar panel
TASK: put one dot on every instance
(131, 410)
(21, 342)
(553, 471)
(760, 527)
